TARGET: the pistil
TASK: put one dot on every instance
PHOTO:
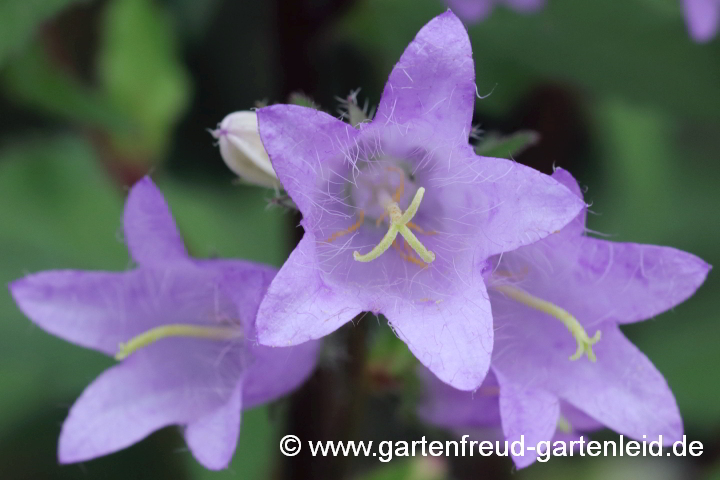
(176, 330)
(584, 342)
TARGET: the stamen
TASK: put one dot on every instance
(412, 226)
(351, 229)
(563, 424)
(176, 330)
(398, 221)
(584, 343)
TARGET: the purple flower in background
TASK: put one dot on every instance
(478, 10)
(183, 329)
(702, 17)
(400, 215)
(589, 285)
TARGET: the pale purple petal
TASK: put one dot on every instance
(622, 389)
(525, 6)
(173, 381)
(452, 338)
(702, 17)
(299, 305)
(100, 310)
(432, 87)
(577, 226)
(277, 371)
(150, 231)
(445, 406)
(305, 146)
(212, 439)
(527, 413)
(471, 10)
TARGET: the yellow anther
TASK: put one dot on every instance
(398, 224)
(351, 229)
(563, 424)
(584, 343)
(176, 330)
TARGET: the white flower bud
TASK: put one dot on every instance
(243, 151)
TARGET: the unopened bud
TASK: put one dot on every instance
(243, 151)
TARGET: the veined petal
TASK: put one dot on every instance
(452, 336)
(212, 439)
(529, 413)
(100, 310)
(434, 82)
(150, 231)
(703, 18)
(577, 225)
(622, 389)
(306, 147)
(299, 305)
(175, 381)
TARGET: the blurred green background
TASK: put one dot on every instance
(94, 94)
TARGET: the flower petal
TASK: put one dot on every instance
(100, 310)
(277, 371)
(299, 305)
(471, 10)
(150, 231)
(434, 82)
(577, 226)
(622, 389)
(212, 439)
(449, 407)
(305, 147)
(453, 338)
(500, 205)
(702, 17)
(173, 381)
(529, 415)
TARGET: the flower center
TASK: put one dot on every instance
(176, 330)
(584, 342)
(377, 194)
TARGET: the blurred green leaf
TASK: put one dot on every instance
(33, 80)
(142, 74)
(498, 146)
(646, 56)
(20, 19)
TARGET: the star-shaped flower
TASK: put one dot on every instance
(591, 285)
(703, 18)
(184, 330)
(478, 10)
(401, 214)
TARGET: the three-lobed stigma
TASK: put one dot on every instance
(399, 224)
(584, 342)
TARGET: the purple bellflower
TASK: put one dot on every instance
(400, 214)
(591, 286)
(703, 18)
(184, 331)
(478, 10)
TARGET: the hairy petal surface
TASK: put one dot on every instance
(622, 389)
(305, 147)
(299, 305)
(434, 82)
(173, 381)
(529, 413)
(100, 310)
(453, 338)
(212, 439)
(150, 231)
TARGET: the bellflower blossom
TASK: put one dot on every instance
(183, 329)
(592, 286)
(478, 10)
(703, 18)
(400, 214)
